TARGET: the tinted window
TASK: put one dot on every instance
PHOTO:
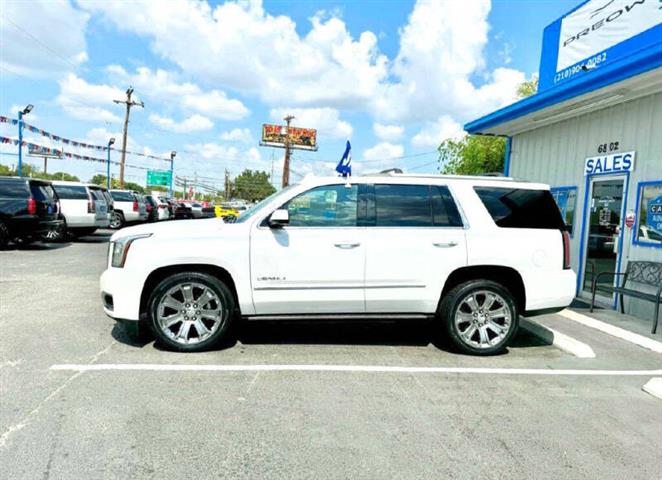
(403, 206)
(122, 196)
(71, 192)
(444, 210)
(520, 208)
(10, 188)
(42, 192)
(327, 206)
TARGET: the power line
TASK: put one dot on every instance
(40, 43)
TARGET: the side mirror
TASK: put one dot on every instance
(279, 218)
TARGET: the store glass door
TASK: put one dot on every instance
(602, 244)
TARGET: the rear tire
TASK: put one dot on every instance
(117, 220)
(4, 235)
(191, 312)
(480, 317)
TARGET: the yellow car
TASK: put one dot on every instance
(224, 210)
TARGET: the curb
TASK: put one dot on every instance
(654, 387)
(558, 339)
(612, 330)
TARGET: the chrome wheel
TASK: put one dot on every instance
(483, 319)
(115, 221)
(189, 313)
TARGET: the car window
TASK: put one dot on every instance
(71, 192)
(42, 192)
(521, 208)
(97, 194)
(403, 206)
(10, 188)
(325, 206)
(122, 196)
(444, 209)
(258, 206)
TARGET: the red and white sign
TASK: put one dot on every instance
(630, 218)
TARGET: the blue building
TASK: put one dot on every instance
(593, 132)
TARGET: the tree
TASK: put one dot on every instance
(479, 154)
(528, 88)
(251, 185)
(28, 170)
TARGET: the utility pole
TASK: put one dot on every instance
(286, 163)
(226, 188)
(129, 103)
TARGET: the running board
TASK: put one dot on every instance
(343, 316)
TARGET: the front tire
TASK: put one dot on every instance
(191, 312)
(480, 317)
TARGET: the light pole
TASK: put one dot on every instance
(172, 171)
(110, 142)
(25, 111)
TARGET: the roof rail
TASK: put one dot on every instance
(396, 172)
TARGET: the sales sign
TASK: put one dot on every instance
(614, 163)
(654, 214)
(297, 137)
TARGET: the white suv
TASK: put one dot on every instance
(84, 207)
(128, 207)
(472, 252)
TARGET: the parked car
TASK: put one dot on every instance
(29, 209)
(471, 252)
(152, 208)
(163, 208)
(225, 210)
(84, 207)
(199, 210)
(182, 211)
(128, 208)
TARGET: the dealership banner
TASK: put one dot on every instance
(275, 135)
(598, 33)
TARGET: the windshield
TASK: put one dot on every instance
(245, 215)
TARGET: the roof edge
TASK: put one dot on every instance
(635, 64)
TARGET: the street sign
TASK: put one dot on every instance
(158, 178)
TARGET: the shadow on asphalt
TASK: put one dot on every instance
(94, 238)
(401, 333)
(37, 247)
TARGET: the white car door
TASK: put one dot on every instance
(417, 240)
(316, 263)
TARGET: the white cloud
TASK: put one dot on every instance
(239, 45)
(441, 49)
(436, 132)
(215, 104)
(165, 86)
(388, 132)
(194, 123)
(237, 135)
(326, 120)
(42, 38)
(383, 151)
(89, 102)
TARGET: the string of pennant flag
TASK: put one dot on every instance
(73, 143)
(33, 147)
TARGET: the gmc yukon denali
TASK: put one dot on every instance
(473, 253)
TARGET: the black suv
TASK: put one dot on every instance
(29, 209)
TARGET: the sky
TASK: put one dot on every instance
(393, 77)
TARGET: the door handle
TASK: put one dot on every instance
(445, 244)
(346, 245)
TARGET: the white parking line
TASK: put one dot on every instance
(654, 387)
(559, 340)
(156, 367)
(609, 329)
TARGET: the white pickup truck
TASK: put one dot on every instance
(471, 252)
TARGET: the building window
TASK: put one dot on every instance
(566, 199)
(648, 230)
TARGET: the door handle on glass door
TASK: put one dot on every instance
(444, 244)
(347, 245)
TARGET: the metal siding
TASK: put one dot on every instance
(555, 155)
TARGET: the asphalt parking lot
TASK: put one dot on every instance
(346, 401)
